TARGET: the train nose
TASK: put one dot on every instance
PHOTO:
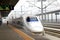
(36, 29)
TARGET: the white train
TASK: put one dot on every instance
(30, 23)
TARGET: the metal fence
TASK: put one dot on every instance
(51, 17)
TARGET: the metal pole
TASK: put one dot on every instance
(21, 9)
(56, 18)
(42, 8)
(45, 17)
(45, 14)
(51, 17)
(0, 15)
(34, 2)
(15, 14)
(48, 17)
(45, 10)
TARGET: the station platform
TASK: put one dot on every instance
(7, 34)
(10, 32)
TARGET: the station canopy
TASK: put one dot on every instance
(7, 4)
(49, 5)
(34, 7)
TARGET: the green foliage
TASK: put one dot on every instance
(6, 7)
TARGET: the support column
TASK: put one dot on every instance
(45, 16)
(0, 15)
(42, 9)
(56, 18)
(48, 17)
(51, 17)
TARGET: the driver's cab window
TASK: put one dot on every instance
(31, 19)
(28, 19)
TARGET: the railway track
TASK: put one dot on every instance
(52, 29)
(52, 26)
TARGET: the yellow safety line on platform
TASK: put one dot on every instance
(22, 34)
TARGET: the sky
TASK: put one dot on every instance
(31, 7)
(28, 4)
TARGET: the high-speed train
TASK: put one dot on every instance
(30, 23)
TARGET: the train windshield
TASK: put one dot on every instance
(32, 19)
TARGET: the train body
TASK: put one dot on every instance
(31, 23)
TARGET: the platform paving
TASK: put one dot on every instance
(7, 34)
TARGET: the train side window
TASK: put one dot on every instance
(18, 22)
